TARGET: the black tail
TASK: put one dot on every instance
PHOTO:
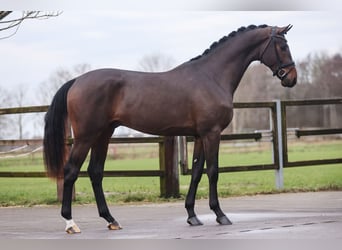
(54, 132)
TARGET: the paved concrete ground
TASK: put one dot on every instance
(282, 216)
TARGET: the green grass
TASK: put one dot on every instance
(32, 191)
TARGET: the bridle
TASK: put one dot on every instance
(281, 71)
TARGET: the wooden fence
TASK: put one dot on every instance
(173, 151)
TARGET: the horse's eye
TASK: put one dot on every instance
(284, 47)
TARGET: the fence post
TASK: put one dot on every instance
(279, 172)
(168, 162)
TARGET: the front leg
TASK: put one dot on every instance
(211, 150)
(197, 170)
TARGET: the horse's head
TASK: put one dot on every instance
(276, 55)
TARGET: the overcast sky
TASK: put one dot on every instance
(121, 38)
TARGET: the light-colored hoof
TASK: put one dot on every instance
(73, 230)
(71, 227)
(114, 226)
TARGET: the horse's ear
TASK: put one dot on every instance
(284, 30)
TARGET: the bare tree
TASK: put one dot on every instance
(329, 81)
(48, 88)
(156, 63)
(4, 119)
(11, 20)
(18, 100)
(319, 76)
(13, 125)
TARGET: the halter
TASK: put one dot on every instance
(279, 72)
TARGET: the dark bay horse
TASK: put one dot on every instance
(193, 99)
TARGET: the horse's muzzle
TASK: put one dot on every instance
(291, 78)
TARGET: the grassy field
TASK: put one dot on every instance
(33, 191)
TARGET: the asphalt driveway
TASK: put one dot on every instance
(315, 215)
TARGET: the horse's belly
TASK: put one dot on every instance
(160, 126)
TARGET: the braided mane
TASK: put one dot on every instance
(226, 38)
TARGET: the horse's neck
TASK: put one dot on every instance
(227, 64)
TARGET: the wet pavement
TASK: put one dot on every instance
(315, 215)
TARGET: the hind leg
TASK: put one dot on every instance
(95, 171)
(71, 171)
(197, 170)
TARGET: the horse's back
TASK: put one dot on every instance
(168, 103)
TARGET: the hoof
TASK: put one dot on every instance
(71, 227)
(194, 221)
(114, 226)
(223, 220)
(73, 230)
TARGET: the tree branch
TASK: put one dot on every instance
(16, 22)
(3, 14)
